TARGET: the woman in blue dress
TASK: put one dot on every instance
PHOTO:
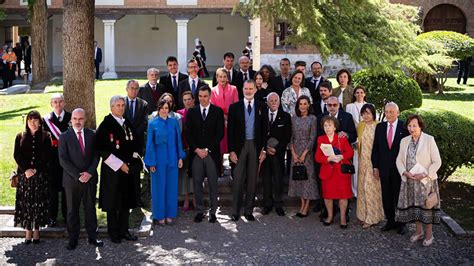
(164, 155)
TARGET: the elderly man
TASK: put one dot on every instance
(136, 111)
(313, 82)
(205, 130)
(192, 84)
(79, 164)
(117, 145)
(277, 130)
(387, 139)
(282, 81)
(245, 144)
(56, 122)
(245, 73)
(152, 90)
(172, 79)
(229, 66)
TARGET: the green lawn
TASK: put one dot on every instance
(459, 99)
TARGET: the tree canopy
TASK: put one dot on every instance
(373, 33)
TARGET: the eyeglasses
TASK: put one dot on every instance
(332, 104)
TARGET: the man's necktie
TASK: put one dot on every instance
(175, 85)
(204, 114)
(245, 76)
(193, 87)
(325, 109)
(390, 135)
(81, 142)
(132, 109)
(60, 118)
(249, 108)
(287, 84)
(271, 118)
(153, 87)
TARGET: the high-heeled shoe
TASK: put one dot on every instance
(325, 223)
(416, 237)
(428, 242)
(343, 226)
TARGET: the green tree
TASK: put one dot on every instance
(373, 33)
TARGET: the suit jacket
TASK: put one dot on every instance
(139, 121)
(184, 86)
(280, 129)
(19, 53)
(236, 126)
(98, 57)
(384, 158)
(205, 133)
(145, 93)
(239, 81)
(346, 97)
(308, 83)
(166, 81)
(232, 81)
(427, 155)
(278, 85)
(73, 161)
(346, 124)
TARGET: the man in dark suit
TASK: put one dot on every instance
(152, 90)
(205, 129)
(97, 59)
(79, 161)
(384, 155)
(229, 66)
(313, 83)
(245, 138)
(320, 106)
(56, 122)
(282, 81)
(192, 84)
(277, 128)
(19, 56)
(136, 112)
(245, 73)
(172, 79)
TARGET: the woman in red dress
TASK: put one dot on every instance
(335, 184)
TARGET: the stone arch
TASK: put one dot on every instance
(445, 17)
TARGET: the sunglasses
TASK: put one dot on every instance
(332, 105)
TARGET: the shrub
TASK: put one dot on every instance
(453, 134)
(389, 87)
(457, 45)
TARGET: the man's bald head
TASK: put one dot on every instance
(78, 119)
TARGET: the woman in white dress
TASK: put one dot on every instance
(358, 100)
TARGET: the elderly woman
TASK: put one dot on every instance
(32, 152)
(369, 190)
(223, 95)
(418, 161)
(335, 183)
(164, 155)
(303, 135)
(185, 181)
(294, 92)
(344, 92)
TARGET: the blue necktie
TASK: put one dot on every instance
(249, 108)
(131, 109)
(193, 87)
(175, 86)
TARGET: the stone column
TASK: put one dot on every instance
(182, 43)
(109, 49)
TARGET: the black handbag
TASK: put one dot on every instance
(299, 172)
(345, 168)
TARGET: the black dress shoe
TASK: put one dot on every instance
(402, 230)
(97, 243)
(36, 241)
(212, 218)
(343, 226)
(129, 237)
(198, 218)
(71, 246)
(28, 241)
(280, 211)
(388, 227)
(249, 217)
(116, 240)
(235, 217)
(266, 210)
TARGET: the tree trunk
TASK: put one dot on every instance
(78, 51)
(39, 27)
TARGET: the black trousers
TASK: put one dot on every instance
(117, 222)
(97, 65)
(463, 71)
(75, 193)
(390, 191)
(272, 181)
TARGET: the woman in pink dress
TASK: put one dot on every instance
(223, 95)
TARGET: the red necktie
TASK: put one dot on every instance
(81, 142)
(390, 135)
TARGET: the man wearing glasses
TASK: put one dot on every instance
(192, 84)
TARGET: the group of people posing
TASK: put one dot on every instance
(327, 139)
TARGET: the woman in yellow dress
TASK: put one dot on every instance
(369, 191)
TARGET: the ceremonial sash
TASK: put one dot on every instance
(54, 129)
